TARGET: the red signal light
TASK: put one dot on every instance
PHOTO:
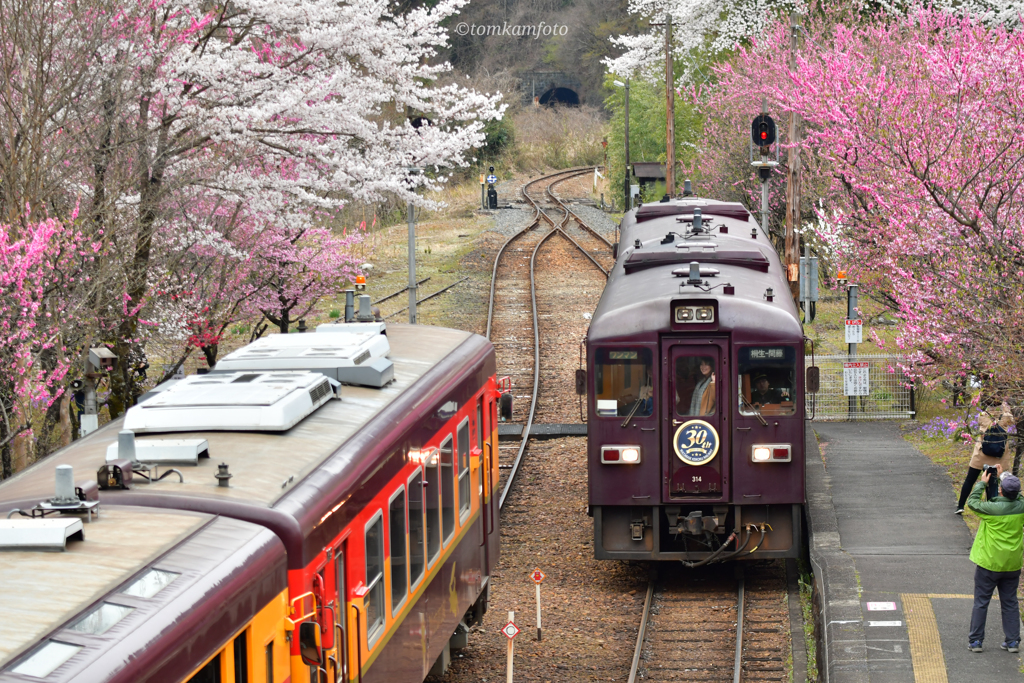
(764, 135)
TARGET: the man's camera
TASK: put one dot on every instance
(992, 470)
(992, 490)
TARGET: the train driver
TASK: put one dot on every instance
(762, 392)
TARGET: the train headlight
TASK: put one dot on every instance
(620, 455)
(772, 452)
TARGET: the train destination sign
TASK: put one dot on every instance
(696, 442)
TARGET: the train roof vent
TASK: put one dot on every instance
(166, 451)
(355, 354)
(52, 533)
(238, 401)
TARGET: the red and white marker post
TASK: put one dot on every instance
(538, 578)
(510, 631)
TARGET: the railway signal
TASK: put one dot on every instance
(510, 631)
(537, 576)
(762, 137)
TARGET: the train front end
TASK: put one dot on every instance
(695, 384)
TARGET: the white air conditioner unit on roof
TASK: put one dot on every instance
(240, 401)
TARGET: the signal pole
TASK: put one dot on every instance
(792, 252)
(670, 113)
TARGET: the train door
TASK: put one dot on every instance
(697, 445)
(341, 608)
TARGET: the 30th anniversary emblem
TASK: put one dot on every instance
(696, 442)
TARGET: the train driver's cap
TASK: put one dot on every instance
(1010, 484)
(760, 376)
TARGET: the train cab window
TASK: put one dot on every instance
(374, 601)
(209, 673)
(480, 424)
(447, 467)
(766, 380)
(431, 499)
(399, 573)
(695, 389)
(622, 378)
(464, 479)
(416, 539)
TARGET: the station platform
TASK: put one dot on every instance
(894, 582)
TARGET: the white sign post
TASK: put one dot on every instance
(854, 332)
(538, 578)
(510, 631)
(855, 378)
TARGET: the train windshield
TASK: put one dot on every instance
(766, 380)
(622, 381)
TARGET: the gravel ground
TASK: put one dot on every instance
(597, 219)
(591, 609)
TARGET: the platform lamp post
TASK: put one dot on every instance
(412, 170)
(626, 180)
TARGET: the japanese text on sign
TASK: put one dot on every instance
(854, 332)
(766, 354)
(855, 379)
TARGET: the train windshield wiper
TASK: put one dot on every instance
(645, 393)
(757, 411)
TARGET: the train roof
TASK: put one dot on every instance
(295, 476)
(158, 572)
(646, 279)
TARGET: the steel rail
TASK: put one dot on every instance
(392, 295)
(737, 666)
(576, 217)
(536, 376)
(429, 296)
(501, 251)
(642, 632)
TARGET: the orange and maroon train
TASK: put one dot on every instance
(321, 508)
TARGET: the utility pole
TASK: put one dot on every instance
(626, 179)
(793, 181)
(412, 253)
(670, 113)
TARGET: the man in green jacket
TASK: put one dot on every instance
(998, 551)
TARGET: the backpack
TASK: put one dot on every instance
(993, 444)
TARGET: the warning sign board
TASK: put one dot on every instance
(854, 332)
(855, 379)
(537, 576)
(510, 630)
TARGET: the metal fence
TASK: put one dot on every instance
(891, 395)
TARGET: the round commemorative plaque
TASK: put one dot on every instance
(696, 442)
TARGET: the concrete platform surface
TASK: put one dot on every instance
(891, 565)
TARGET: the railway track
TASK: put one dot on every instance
(513, 322)
(701, 625)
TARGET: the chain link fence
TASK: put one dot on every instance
(890, 394)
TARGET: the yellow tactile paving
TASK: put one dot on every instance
(925, 646)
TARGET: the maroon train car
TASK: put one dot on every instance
(365, 458)
(695, 382)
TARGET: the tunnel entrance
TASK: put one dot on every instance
(562, 96)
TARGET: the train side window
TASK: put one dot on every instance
(696, 391)
(399, 567)
(373, 604)
(464, 479)
(623, 382)
(447, 489)
(341, 620)
(209, 673)
(480, 424)
(432, 499)
(416, 536)
(241, 652)
(766, 380)
(269, 653)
